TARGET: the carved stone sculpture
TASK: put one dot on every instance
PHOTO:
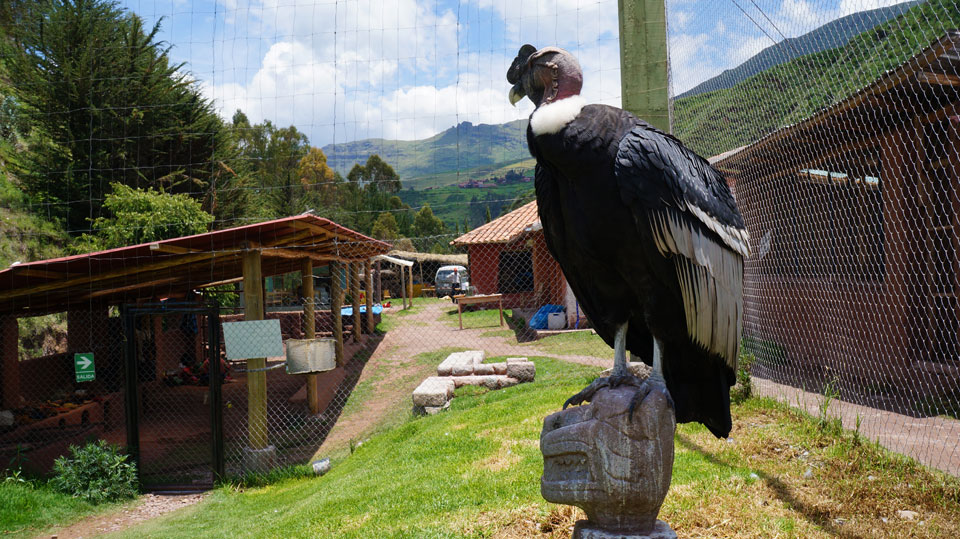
(615, 467)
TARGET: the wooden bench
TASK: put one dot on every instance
(474, 300)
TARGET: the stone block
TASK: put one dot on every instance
(499, 368)
(434, 391)
(483, 369)
(461, 381)
(506, 381)
(463, 359)
(462, 370)
(491, 382)
(524, 371)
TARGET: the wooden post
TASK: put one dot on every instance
(644, 80)
(410, 290)
(309, 329)
(368, 273)
(9, 363)
(256, 381)
(379, 284)
(355, 294)
(335, 305)
(403, 286)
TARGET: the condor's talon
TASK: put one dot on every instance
(587, 393)
(648, 386)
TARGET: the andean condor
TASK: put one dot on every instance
(647, 234)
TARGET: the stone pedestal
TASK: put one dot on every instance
(615, 467)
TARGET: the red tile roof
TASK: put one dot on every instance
(503, 229)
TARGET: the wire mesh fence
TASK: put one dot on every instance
(839, 137)
(403, 180)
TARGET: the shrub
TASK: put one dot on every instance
(743, 389)
(97, 473)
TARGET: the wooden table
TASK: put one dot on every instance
(473, 300)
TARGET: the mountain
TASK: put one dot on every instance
(464, 146)
(717, 121)
(829, 36)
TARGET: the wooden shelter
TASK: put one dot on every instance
(854, 216)
(87, 285)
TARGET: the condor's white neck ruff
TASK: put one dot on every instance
(552, 117)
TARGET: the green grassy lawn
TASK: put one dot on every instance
(474, 471)
(475, 319)
(581, 343)
(26, 509)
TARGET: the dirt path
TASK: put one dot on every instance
(414, 334)
(145, 508)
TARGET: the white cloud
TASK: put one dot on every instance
(679, 19)
(690, 60)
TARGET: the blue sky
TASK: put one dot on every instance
(342, 70)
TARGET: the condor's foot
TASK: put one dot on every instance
(651, 384)
(612, 382)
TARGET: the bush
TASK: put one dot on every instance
(743, 389)
(97, 473)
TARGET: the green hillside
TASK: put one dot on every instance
(721, 120)
(834, 34)
(462, 147)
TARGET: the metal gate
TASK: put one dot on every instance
(173, 404)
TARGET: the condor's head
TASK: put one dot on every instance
(545, 76)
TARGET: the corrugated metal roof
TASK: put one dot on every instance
(164, 267)
(503, 229)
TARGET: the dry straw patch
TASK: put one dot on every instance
(793, 477)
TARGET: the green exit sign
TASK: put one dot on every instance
(83, 366)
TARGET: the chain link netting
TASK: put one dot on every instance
(835, 123)
(840, 139)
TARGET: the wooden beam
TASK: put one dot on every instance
(9, 363)
(256, 381)
(309, 329)
(403, 288)
(44, 274)
(129, 288)
(219, 283)
(644, 76)
(410, 280)
(939, 79)
(173, 249)
(287, 240)
(355, 296)
(336, 297)
(166, 263)
(368, 293)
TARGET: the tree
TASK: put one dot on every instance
(316, 176)
(426, 224)
(488, 217)
(139, 216)
(385, 228)
(271, 160)
(382, 175)
(105, 105)
(376, 171)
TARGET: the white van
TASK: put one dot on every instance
(446, 280)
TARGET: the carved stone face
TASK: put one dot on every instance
(618, 471)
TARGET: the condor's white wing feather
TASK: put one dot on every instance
(693, 218)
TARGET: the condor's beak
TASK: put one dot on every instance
(516, 93)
